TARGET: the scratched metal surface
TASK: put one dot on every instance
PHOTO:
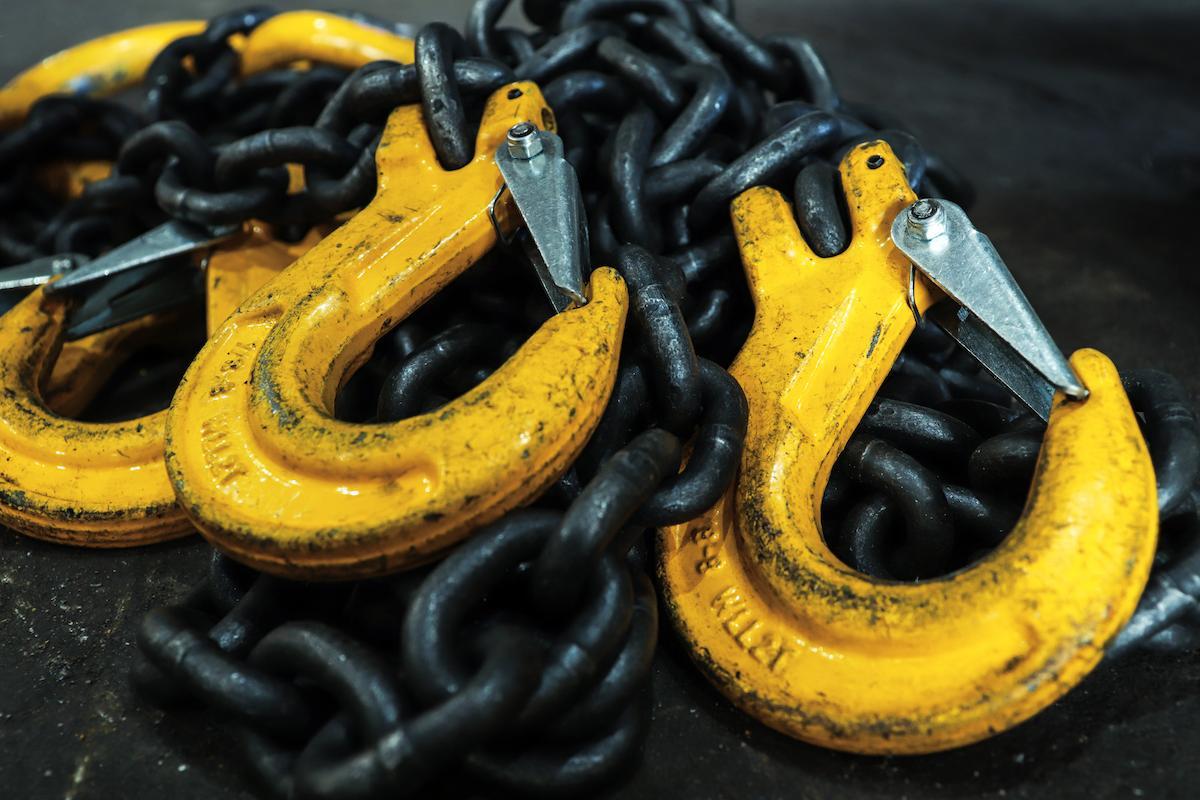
(1080, 125)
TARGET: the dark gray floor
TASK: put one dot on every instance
(1080, 125)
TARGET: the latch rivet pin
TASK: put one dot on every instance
(523, 141)
(925, 219)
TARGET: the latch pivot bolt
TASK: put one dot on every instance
(926, 219)
(523, 141)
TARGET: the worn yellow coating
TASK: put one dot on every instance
(98, 484)
(843, 660)
(270, 477)
(322, 37)
(104, 484)
(101, 66)
(108, 64)
(92, 484)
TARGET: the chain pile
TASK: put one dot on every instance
(523, 656)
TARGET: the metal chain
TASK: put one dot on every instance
(210, 148)
(523, 654)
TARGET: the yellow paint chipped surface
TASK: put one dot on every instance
(268, 474)
(843, 660)
(104, 484)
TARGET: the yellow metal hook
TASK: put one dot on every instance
(108, 64)
(103, 484)
(837, 658)
(100, 484)
(323, 37)
(100, 67)
(266, 472)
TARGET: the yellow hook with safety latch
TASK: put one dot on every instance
(104, 484)
(840, 659)
(259, 462)
(101, 484)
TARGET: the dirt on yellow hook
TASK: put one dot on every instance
(843, 660)
(103, 484)
(99, 484)
(267, 473)
(65, 480)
